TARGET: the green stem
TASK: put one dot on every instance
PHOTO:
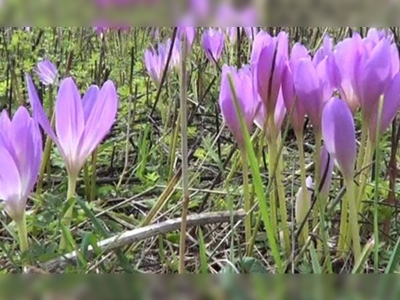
(305, 205)
(277, 189)
(321, 203)
(363, 145)
(343, 242)
(173, 145)
(272, 192)
(46, 160)
(67, 219)
(354, 228)
(376, 198)
(93, 176)
(246, 196)
(23, 237)
(364, 173)
(86, 180)
(317, 180)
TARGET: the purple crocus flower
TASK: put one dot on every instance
(324, 51)
(315, 85)
(390, 107)
(268, 60)
(189, 33)
(20, 159)
(243, 83)
(232, 33)
(347, 55)
(367, 67)
(176, 53)
(213, 44)
(81, 124)
(251, 32)
(338, 132)
(372, 77)
(155, 61)
(293, 105)
(100, 29)
(46, 71)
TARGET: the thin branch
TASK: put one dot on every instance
(139, 234)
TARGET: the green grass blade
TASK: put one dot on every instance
(258, 185)
(203, 253)
(394, 259)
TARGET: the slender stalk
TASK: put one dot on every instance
(364, 173)
(305, 205)
(363, 161)
(282, 206)
(185, 166)
(363, 145)
(272, 193)
(246, 196)
(23, 237)
(258, 185)
(354, 228)
(173, 143)
(86, 180)
(376, 198)
(278, 188)
(317, 172)
(319, 208)
(93, 176)
(46, 160)
(343, 242)
(66, 221)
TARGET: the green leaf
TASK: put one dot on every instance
(394, 259)
(315, 261)
(251, 265)
(203, 253)
(258, 185)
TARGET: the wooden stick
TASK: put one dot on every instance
(139, 234)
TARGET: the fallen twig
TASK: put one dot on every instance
(138, 234)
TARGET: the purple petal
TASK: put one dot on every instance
(10, 185)
(391, 103)
(374, 77)
(280, 111)
(104, 109)
(326, 170)
(329, 76)
(24, 134)
(309, 90)
(251, 32)
(150, 62)
(213, 44)
(70, 122)
(339, 135)
(324, 51)
(189, 32)
(261, 40)
(89, 99)
(5, 124)
(46, 71)
(264, 76)
(245, 94)
(39, 114)
(293, 105)
(347, 56)
(395, 59)
(298, 51)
